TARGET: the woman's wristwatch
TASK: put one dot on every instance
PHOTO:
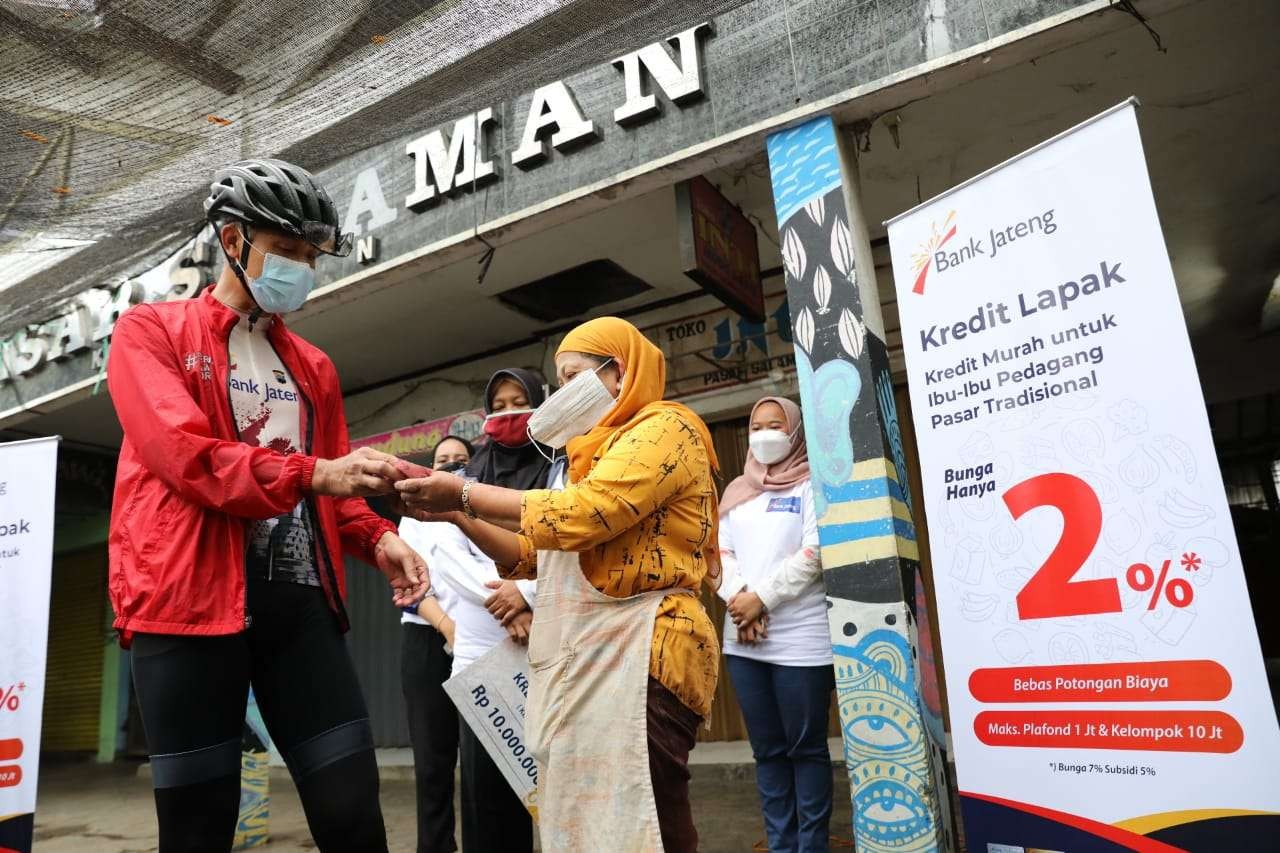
(412, 609)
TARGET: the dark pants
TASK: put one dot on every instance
(673, 731)
(785, 708)
(493, 818)
(433, 731)
(192, 693)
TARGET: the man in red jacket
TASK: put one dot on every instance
(236, 497)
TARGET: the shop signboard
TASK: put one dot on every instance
(718, 247)
(421, 438)
(28, 472)
(71, 348)
(717, 349)
(1106, 686)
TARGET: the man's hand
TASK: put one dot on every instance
(519, 626)
(506, 603)
(745, 608)
(405, 570)
(754, 632)
(440, 492)
(359, 473)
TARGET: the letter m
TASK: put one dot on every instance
(444, 165)
(681, 83)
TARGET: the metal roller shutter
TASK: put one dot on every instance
(77, 636)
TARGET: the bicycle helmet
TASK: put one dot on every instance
(276, 194)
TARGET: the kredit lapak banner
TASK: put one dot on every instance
(28, 472)
(491, 695)
(1106, 687)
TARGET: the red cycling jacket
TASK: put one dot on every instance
(186, 486)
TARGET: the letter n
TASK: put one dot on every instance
(681, 83)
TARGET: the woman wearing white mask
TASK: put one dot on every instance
(622, 655)
(769, 548)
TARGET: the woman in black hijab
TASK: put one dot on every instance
(493, 817)
(510, 458)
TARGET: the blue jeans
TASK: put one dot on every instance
(785, 708)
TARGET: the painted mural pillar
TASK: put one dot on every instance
(889, 714)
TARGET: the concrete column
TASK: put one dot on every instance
(892, 740)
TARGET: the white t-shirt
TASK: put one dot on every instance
(459, 571)
(764, 534)
(269, 413)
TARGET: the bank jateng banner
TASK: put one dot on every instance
(28, 471)
(491, 695)
(1106, 686)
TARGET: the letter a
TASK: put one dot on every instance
(551, 109)
(367, 198)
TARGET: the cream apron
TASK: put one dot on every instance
(587, 713)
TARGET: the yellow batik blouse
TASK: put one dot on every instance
(640, 520)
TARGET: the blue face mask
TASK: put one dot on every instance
(283, 285)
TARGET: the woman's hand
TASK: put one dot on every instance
(519, 626)
(745, 608)
(406, 571)
(755, 632)
(455, 517)
(506, 602)
(439, 492)
(447, 628)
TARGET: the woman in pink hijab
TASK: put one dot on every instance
(777, 646)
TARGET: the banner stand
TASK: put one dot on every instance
(28, 478)
(1106, 687)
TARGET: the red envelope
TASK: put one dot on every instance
(412, 471)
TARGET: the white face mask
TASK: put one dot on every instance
(573, 410)
(769, 445)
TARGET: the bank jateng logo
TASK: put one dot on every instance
(933, 255)
(923, 258)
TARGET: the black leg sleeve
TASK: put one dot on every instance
(310, 698)
(192, 693)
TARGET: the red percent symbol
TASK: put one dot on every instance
(1141, 578)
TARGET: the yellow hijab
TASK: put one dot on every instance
(643, 383)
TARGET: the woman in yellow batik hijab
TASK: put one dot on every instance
(623, 658)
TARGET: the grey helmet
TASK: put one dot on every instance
(276, 194)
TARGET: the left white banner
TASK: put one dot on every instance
(28, 473)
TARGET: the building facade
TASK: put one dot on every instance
(483, 237)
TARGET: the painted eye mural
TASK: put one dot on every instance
(877, 731)
(885, 745)
(893, 815)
